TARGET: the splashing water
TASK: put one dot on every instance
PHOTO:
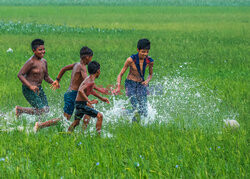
(178, 100)
(175, 99)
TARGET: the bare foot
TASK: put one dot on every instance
(36, 127)
(18, 112)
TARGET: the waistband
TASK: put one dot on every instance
(29, 88)
(133, 81)
(81, 102)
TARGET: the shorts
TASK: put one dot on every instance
(134, 88)
(82, 108)
(69, 101)
(37, 101)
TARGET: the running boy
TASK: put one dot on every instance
(33, 72)
(82, 104)
(135, 84)
(78, 74)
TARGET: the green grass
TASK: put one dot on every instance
(201, 61)
(127, 2)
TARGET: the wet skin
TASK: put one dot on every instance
(78, 74)
(35, 70)
(133, 72)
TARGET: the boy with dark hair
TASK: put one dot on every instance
(135, 84)
(78, 74)
(33, 72)
(83, 105)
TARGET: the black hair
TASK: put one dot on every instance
(93, 67)
(143, 44)
(85, 51)
(35, 43)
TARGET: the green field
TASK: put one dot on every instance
(201, 68)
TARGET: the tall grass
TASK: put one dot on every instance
(128, 2)
(201, 65)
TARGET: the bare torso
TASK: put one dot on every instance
(87, 86)
(76, 76)
(34, 71)
(133, 72)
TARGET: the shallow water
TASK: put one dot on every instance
(179, 100)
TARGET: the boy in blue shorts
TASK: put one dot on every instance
(78, 74)
(83, 105)
(135, 84)
(33, 72)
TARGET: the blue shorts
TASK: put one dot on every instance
(82, 108)
(36, 100)
(134, 88)
(138, 96)
(69, 101)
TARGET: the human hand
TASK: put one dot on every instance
(89, 105)
(104, 90)
(35, 89)
(94, 101)
(116, 91)
(105, 100)
(145, 83)
(55, 85)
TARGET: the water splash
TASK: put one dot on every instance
(182, 101)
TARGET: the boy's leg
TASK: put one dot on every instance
(143, 106)
(99, 123)
(67, 116)
(31, 111)
(69, 103)
(94, 113)
(45, 124)
(134, 102)
(73, 125)
(37, 101)
(142, 100)
(78, 116)
(131, 93)
(86, 120)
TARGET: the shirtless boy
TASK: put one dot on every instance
(33, 72)
(83, 105)
(135, 84)
(78, 74)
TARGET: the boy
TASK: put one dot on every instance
(33, 72)
(135, 84)
(82, 104)
(79, 73)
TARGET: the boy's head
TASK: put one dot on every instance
(37, 46)
(143, 47)
(36, 43)
(86, 54)
(143, 44)
(94, 68)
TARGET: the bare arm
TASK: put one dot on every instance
(55, 85)
(82, 93)
(119, 78)
(101, 90)
(84, 73)
(63, 70)
(98, 96)
(24, 70)
(46, 76)
(150, 68)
